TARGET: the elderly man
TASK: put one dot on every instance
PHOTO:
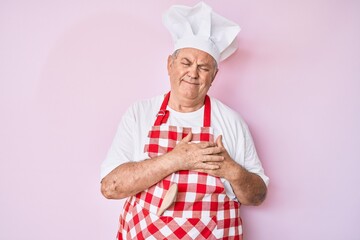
(185, 161)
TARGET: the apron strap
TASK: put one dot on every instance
(207, 112)
(163, 114)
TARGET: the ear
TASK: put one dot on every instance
(216, 71)
(169, 63)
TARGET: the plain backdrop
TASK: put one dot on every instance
(70, 68)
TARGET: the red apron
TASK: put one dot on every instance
(202, 209)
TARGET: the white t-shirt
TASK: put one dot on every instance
(132, 135)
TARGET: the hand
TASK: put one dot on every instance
(194, 156)
(248, 187)
(226, 167)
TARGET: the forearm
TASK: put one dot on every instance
(133, 177)
(248, 187)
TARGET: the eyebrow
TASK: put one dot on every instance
(184, 58)
(200, 65)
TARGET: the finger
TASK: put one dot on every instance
(211, 150)
(205, 166)
(187, 138)
(219, 141)
(213, 158)
(205, 144)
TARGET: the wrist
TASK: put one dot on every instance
(236, 173)
(168, 162)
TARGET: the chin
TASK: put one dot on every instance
(190, 95)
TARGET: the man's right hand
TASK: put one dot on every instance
(195, 156)
(132, 177)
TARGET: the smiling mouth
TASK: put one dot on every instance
(192, 83)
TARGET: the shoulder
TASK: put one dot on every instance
(225, 120)
(144, 107)
(148, 103)
(226, 113)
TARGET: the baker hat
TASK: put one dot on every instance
(201, 28)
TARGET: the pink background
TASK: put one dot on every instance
(70, 68)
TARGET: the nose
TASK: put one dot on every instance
(193, 71)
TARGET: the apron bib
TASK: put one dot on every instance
(202, 209)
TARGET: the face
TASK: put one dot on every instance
(191, 73)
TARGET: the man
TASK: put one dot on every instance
(185, 161)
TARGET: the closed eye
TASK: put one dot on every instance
(185, 63)
(204, 69)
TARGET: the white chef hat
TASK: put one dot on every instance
(201, 28)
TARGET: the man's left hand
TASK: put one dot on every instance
(248, 187)
(226, 167)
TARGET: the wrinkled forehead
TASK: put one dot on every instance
(197, 55)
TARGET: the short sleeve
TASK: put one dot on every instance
(121, 149)
(251, 160)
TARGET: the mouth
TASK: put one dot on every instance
(191, 83)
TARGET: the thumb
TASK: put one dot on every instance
(219, 141)
(188, 138)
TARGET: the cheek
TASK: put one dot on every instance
(206, 82)
(177, 73)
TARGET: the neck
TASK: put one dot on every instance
(185, 105)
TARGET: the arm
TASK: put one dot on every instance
(133, 177)
(248, 187)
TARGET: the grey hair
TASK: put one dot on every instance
(176, 53)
